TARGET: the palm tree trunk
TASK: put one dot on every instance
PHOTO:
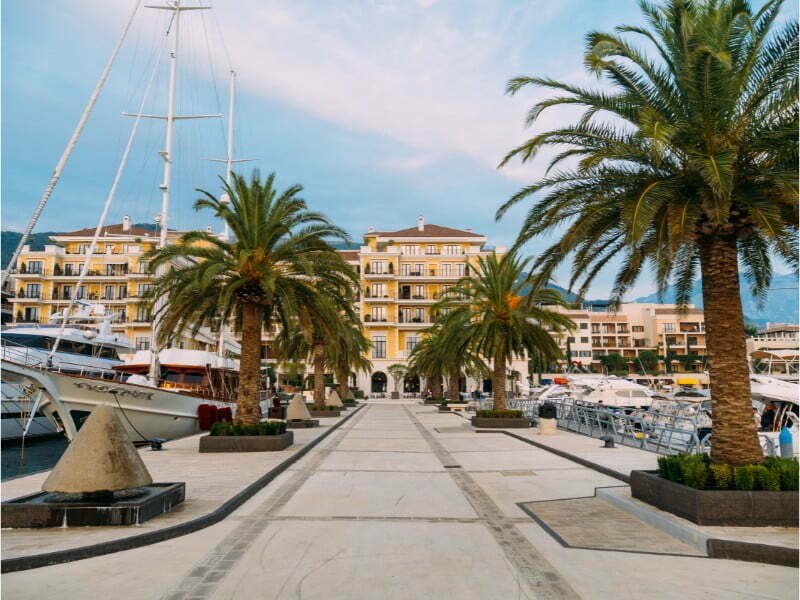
(344, 388)
(452, 384)
(319, 375)
(435, 386)
(734, 439)
(248, 409)
(499, 380)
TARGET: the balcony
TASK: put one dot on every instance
(377, 299)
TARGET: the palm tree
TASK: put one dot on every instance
(321, 323)
(265, 274)
(425, 361)
(349, 355)
(500, 316)
(686, 164)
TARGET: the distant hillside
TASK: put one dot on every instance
(780, 306)
(10, 239)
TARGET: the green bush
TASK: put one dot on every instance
(265, 428)
(697, 471)
(358, 394)
(499, 414)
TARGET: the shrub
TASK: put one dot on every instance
(696, 471)
(266, 428)
(547, 410)
(499, 414)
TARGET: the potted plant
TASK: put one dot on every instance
(268, 436)
(547, 418)
(706, 493)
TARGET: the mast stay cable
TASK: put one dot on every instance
(73, 140)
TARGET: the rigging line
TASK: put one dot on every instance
(106, 208)
(213, 71)
(73, 140)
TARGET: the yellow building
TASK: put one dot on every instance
(44, 280)
(402, 274)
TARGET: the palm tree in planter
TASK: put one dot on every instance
(321, 324)
(349, 355)
(425, 361)
(687, 164)
(266, 273)
(500, 316)
(442, 354)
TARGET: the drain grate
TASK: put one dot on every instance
(452, 466)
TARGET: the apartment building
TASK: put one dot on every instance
(633, 328)
(44, 280)
(402, 274)
(775, 349)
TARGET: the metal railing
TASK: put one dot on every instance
(667, 427)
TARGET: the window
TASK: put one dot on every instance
(143, 343)
(419, 269)
(379, 313)
(108, 292)
(460, 269)
(34, 266)
(123, 292)
(571, 340)
(669, 327)
(142, 314)
(410, 249)
(379, 346)
(405, 269)
(72, 268)
(447, 269)
(142, 288)
(431, 249)
(378, 290)
(584, 340)
(66, 292)
(637, 328)
(411, 343)
(83, 248)
(106, 352)
(81, 292)
(452, 249)
(377, 267)
(32, 313)
(419, 292)
(584, 325)
(419, 315)
(144, 267)
(32, 290)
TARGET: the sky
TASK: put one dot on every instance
(383, 110)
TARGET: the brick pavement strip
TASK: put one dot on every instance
(543, 580)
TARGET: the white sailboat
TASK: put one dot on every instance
(158, 395)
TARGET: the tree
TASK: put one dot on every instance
(613, 362)
(321, 323)
(265, 274)
(348, 355)
(397, 372)
(687, 163)
(648, 360)
(499, 317)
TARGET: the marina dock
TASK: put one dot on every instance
(398, 501)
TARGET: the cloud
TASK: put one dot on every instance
(429, 76)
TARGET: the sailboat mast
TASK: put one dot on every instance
(228, 173)
(167, 154)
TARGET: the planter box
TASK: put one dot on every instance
(431, 401)
(444, 409)
(321, 414)
(504, 423)
(246, 443)
(716, 507)
(302, 424)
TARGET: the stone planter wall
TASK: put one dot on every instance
(317, 414)
(246, 443)
(302, 424)
(505, 423)
(716, 507)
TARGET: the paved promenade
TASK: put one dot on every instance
(403, 502)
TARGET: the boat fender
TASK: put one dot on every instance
(204, 417)
(225, 414)
(786, 442)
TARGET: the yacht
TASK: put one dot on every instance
(83, 347)
(599, 389)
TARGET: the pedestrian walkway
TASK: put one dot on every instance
(404, 502)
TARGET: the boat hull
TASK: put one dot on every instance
(145, 412)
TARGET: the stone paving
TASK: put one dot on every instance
(387, 507)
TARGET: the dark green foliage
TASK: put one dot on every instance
(547, 411)
(499, 414)
(266, 428)
(696, 470)
(723, 477)
(648, 360)
(614, 362)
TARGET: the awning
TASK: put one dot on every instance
(687, 381)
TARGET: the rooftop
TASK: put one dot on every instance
(423, 230)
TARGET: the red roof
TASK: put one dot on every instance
(109, 230)
(432, 231)
(349, 254)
